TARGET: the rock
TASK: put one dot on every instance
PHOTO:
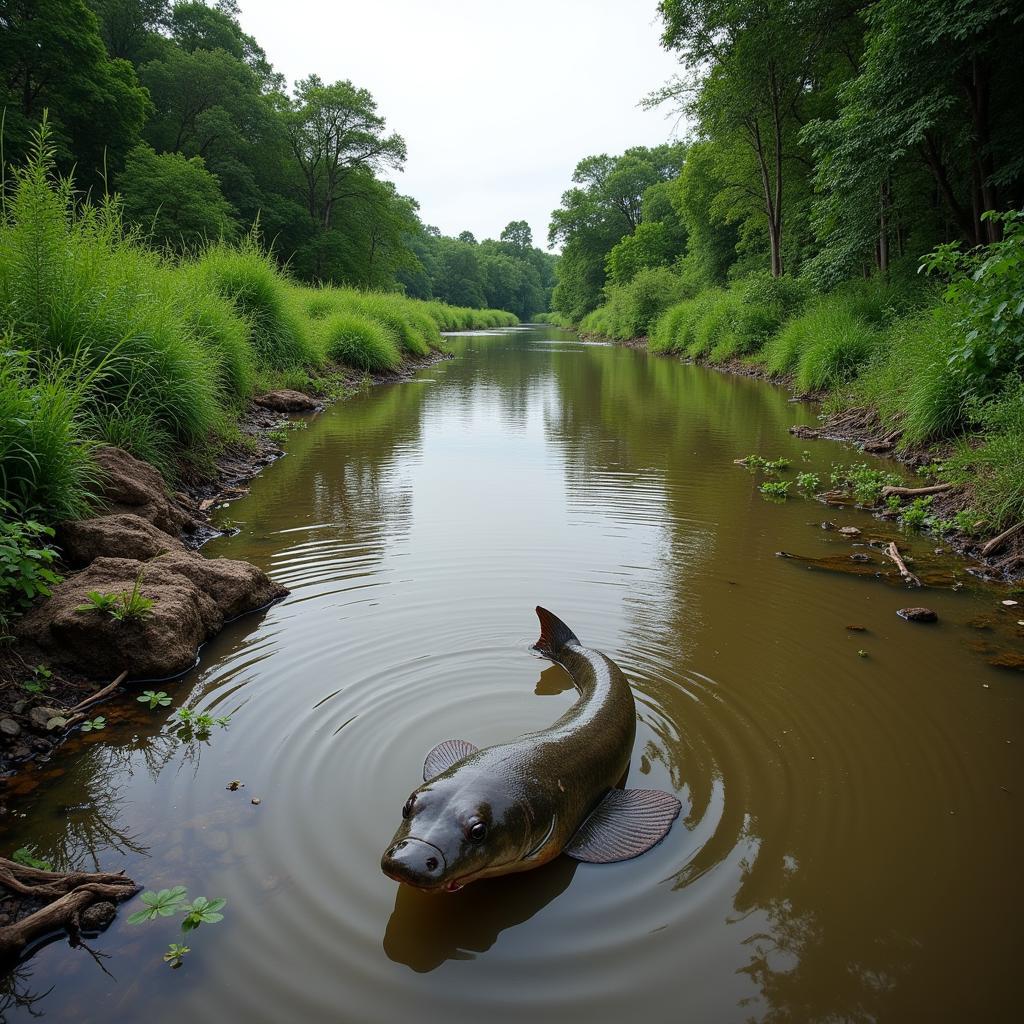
(98, 916)
(40, 744)
(256, 801)
(18, 707)
(859, 556)
(20, 752)
(9, 728)
(287, 400)
(857, 628)
(130, 485)
(849, 531)
(917, 614)
(193, 598)
(39, 718)
(1009, 604)
(828, 525)
(121, 535)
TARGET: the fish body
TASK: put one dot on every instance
(513, 806)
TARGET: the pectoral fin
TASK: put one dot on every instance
(444, 755)
(626, 823)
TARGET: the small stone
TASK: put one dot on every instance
(859, 556)
(98, 916)
(256, 801)
(40, 743)
(9, 727)
(286, 400)
(235, 784)
(857, 628)
(1010, 604)
(917, 615)
(57, 722)
(849, 531)
(20, 752)
(18, 707)
(39, 717)
(828, 525)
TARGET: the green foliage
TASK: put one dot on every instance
(165, 903)
(864, 482)
(26, 855)
(776, 488)
(632, 309)
(174, 199)
(202, 911)
(913, 381)
(986, 289)
(26, 560)
(127, 606)
(809, 483)
(915, 515)
(94, 724)
(176, 952)
(991, 464)
(248, 278)
(154, 698)
(835, 347)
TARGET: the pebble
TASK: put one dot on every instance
(849, 531)
(256, 801)
(1010, 604)
(9, 727)
(828, 525)
(857, 628)
(917, 614)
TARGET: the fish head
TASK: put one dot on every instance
(456, 830)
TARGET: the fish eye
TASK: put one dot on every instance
(478, 831)
(407, 809)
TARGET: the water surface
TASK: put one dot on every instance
(849, 843)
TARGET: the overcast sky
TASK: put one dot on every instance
(496, 101)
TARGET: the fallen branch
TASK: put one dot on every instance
(894, 553)
(913, 492)
(997, 542)
(100, 694)
(71, 894)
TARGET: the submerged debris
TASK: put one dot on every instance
(917, 614)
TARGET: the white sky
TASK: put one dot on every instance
(496, 101)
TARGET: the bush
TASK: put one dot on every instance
(836, 347)
(993, 465)
(26, 560)
(388, 312)
(248, 278)
(359, 342)
(914, 381)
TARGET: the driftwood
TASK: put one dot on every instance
(913, 492)
(68, 893)
(99, 694)
(894, 553)
(997, 542)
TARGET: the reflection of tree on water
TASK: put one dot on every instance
(427, 929)
(15, 993)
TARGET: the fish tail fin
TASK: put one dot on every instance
(554, 633)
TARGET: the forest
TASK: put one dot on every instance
(178, 110)
(844, 213)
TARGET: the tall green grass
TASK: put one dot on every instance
(108, 341)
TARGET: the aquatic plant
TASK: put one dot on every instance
(864, 482)
(154, 698)
(94, 724)
(176, 952)
(776, 488)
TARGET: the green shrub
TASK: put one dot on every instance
(993, 464)
(248, 277)
(46, 466)
(387, 311)
(712, 324)
(835, 349)
(359, 342)
(26, 560)
(914, 382)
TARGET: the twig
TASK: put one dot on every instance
(910, 492)
(997, 542)
(100, 694)
(894, 553)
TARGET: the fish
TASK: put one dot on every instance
(511, 807)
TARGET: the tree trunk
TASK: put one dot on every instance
(883, 229)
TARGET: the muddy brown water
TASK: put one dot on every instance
(849, 848)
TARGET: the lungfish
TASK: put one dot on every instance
(513, 806)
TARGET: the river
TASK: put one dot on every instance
(849, 844)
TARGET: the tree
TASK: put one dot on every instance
(518, 238)
(335, 131)
(54, 59)
(175, 199)
(751, 69)
(605, 206)
(128, 27)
